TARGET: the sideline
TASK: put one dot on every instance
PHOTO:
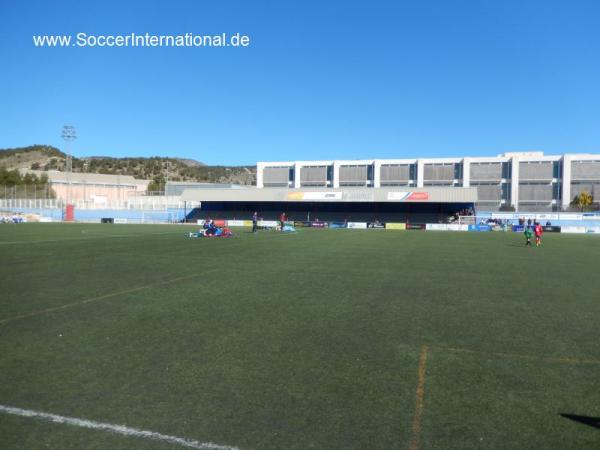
(117, 429)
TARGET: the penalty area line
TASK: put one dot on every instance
(93, 299)
(116, 429)
(86, 238)
(550, 359)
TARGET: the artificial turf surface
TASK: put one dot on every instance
(322, 339)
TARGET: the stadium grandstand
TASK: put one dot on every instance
(338, 205)
(417, 190)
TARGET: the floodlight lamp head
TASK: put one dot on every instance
(69, 133)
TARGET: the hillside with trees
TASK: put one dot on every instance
(157, 169)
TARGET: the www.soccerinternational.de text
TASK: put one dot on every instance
(132, 40)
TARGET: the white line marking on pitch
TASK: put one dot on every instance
(86, 238)
(118, 429)
(102, 297)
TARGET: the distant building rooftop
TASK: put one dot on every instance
(177, 187)
(57, 177)
(531, 154)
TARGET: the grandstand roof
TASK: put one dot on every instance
(388, 194)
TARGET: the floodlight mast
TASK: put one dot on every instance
(69, 134)
(166, 180)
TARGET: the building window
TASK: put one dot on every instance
(506, 170)
(557, 191)
(458, 171)
(506, 191)
(557, 169)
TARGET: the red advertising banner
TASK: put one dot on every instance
(418, 196)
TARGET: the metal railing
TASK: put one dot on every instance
(152, 203)
(31, 203)
(27, 191)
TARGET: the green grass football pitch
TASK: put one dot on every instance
(322, 339)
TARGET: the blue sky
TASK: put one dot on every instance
(320, 79)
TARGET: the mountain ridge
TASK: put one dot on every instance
(155, 168)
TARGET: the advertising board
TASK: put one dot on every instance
(318, 224)
(359, 225)
(266, 223)
(573, 229)
(314, 195)
(395, 226)
(480, 228)
(376, 225)
(551, 229)
(402, 196)
(236, 223)
(337, 225)
(436, 227)
(458, 227)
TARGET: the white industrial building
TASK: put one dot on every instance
(524, 180)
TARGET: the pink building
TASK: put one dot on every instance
(93, 189)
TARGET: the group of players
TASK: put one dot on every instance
(530, 231)
(210, 229)
(281, 227)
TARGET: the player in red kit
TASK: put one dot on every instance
(538, 231)
(282, 219)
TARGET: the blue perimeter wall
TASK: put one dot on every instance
(557, 222)
(135, 215)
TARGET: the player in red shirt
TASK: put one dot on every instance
(282, 219)
(538, 231)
